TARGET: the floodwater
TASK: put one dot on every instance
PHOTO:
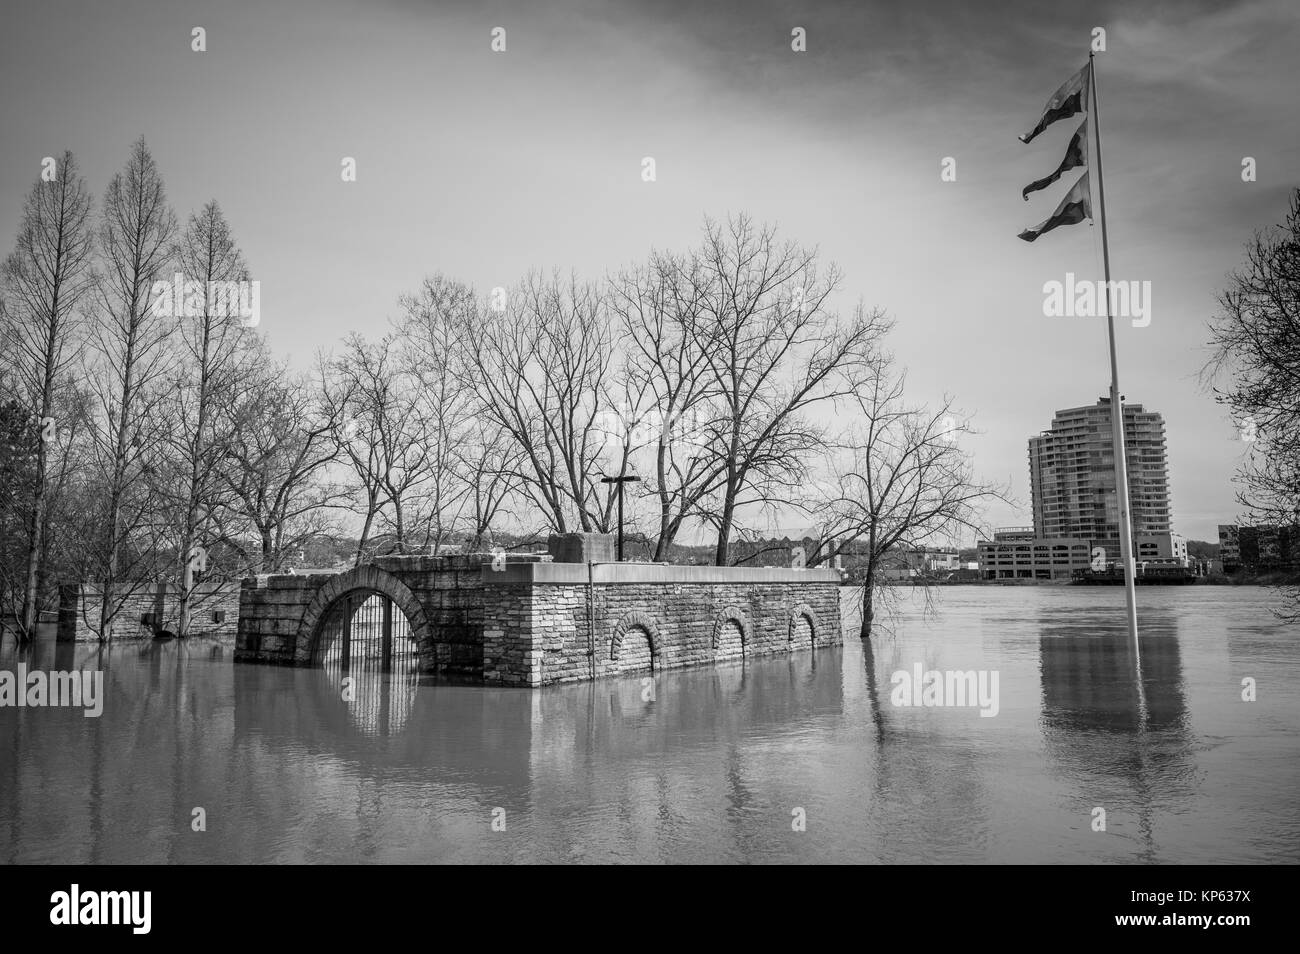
(703, 765)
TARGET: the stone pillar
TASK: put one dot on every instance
(581, 547)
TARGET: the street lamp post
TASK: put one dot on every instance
(620, 481)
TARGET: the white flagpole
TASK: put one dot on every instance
(1116, 402)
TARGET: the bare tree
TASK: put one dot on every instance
(45, 279)
(489, 462)
(775, 354)
(542, 367)
(130, 363)
(380, 429)
(897, 480)
(671, 396)
(1256, 342)
(274, 464)
(434, 321)
(217, 354)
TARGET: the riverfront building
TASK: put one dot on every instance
(1259, 549)
(1017, 553)
(1076, 510)
(1072, 474)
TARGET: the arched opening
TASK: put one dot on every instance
(365, 638)
(365, 631)
(801, 631)
(635, 653)
(731, 640)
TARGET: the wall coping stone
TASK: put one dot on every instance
(630, 574)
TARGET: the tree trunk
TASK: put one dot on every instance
(724, 532)
(36, 556)
(868, 602)
(187, 580)
(109, 582)
(365, 532)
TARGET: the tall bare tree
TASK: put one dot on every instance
(899, 479)
(672, 398)
(542, 366)
(46, 279)
(381, 432)
(217, 354)
(776, 355)
(131, 362)
(433, 323)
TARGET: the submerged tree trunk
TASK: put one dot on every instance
(868, 602)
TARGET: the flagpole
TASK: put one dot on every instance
(1116, 405)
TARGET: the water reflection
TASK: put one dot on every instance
(1093, 679)
(1115, 716)
(694, 765)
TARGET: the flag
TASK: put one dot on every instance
(1070, 99)
(1075, 207)
(1076, 154)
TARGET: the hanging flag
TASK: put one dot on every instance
(1070, 99)
(1074, 208)
(1076, 154)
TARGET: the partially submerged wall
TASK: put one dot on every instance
(280, 616)
(550, 623)
(142, 609)
(522, 620)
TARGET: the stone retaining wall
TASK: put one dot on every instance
(530, 622)
(565, 622)
(214, 611)
(441, 596)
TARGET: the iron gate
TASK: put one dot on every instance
(363, 632)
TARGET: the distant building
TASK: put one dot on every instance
(1076, 510)
(1072, 474)
(1017, 553)
(1230, 546)
(1165, 547)
(1259, 549)
(919, 564)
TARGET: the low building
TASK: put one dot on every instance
(1164, 547)
(933, 562)
(1259, 549)
(941, 559)
(1015, 553)
(1230, 546)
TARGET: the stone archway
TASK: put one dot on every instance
(634, 624)
(802, 616)
(732, 633)
(365, 580)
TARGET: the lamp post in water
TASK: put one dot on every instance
(620, 481)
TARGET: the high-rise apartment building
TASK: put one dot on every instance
(1072, 475)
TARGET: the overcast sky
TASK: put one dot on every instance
(483, 165)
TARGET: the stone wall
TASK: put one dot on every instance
(280, 615)
(532, 622)
(564, 622)
(271, 610)
(214, 611)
